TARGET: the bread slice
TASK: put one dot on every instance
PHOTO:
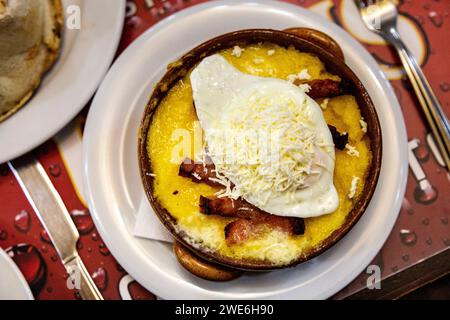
(30, 40)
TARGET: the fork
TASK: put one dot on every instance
(380, 17)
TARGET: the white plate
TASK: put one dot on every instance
(66, 89)
(13, 285)
(113, 185)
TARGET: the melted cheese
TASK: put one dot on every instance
(352, 192)
(302, 75)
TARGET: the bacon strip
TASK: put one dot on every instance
(250, 219)
(323, 88)
(340, 139)
(238, 231)
(227, 207)
(199, 172)
(241, 230)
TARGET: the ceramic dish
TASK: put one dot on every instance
(305, 41)
(13, 285)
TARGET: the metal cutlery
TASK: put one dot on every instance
(55, 218)
(380, 16)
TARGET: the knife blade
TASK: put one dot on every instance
(55, 218)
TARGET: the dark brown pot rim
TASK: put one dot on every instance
(333, 64)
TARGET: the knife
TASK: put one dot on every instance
(55, 218)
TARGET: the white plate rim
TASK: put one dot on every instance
(87, 87)
(119, 249)
(25, 290)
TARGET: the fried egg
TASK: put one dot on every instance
(268, 140)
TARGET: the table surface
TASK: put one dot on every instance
(417, 250)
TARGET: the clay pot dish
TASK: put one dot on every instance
(305, 40)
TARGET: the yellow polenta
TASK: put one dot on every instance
(175, 119)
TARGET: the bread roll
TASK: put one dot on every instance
(30, 38)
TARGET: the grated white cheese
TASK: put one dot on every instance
(353, 187)
(271, 52)
(302, 75)
(305, 87)
(351, 151)
(258, 60)
(151, 174)
(363, 124)
(223, 182)
(324, 104)
(237, 51)
(284, 168)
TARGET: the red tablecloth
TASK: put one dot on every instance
(421, 231)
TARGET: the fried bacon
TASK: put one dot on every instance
(238, 231)
(241, 229)
(250, 219)
(340, 139)
(227, 207)
(199, 172)
(324, 88)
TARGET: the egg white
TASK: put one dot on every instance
(230, 104)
